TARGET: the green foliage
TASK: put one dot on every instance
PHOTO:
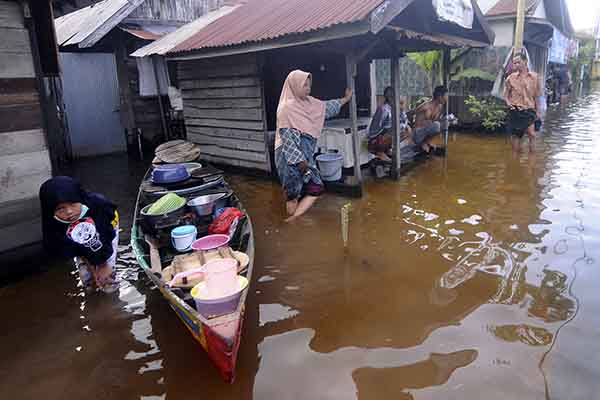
(474, 73)
(492, 112)
(427, 60)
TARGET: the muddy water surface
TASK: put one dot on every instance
(474, 276)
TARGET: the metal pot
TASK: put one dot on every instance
(205, 205)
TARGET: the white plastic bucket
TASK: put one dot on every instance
(221, 278)
(183, 237)
(330, 165)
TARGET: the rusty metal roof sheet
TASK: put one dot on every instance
(509, 7)
(259, 20)
(168, 42)
(142, 34)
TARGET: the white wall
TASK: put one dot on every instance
(504, 30)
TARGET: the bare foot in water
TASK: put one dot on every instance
(291, 206)
(291, 219)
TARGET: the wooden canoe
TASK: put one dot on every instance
(219, 336)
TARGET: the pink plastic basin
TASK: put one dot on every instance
(210, 242)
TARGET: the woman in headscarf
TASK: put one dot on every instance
(300, 120)
(83, 225)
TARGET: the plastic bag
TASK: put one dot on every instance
(223, 223)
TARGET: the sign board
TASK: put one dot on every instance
(459, 12)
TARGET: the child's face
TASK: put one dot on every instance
(402, 104)
(69, 212)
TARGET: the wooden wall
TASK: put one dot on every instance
(224, 112)
(24, 158)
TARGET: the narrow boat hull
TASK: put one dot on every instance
(219, 337)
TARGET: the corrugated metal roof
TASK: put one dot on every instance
(259, 20)
(168, 42)
(509, 7)
(142, 34)
(87, 26)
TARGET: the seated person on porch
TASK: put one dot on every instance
(300, 119)
(430, 120)
(380, 130)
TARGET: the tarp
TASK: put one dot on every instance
(459, 12)
(560, 48)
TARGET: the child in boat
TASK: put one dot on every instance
(83, 225)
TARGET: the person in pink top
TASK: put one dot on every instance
(300, 119)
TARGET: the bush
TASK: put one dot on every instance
(491, 112)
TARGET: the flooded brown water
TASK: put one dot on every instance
(472, 277)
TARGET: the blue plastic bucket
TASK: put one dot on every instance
(330, 165)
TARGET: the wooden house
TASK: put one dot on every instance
(27, 54)
(231, 71)
(103, 103)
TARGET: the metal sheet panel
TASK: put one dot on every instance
(91, 96)
(260, 20)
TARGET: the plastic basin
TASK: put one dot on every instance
(210, 308)
(210, 242)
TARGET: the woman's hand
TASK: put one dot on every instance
(347, 96)
(302, 166)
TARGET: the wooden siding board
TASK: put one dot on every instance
(15, 212)
(227, 143)
(20, 117)
(14, 41)
(223, 103)
(22, 174)
(11, 15)
(241, 134)
(221, 123)
(224, 71)
(247, 114)
(18, 86)
(17, 66)
(249, 91)
(22, 142)
(235, 162)
(218, 83)
(21, 234)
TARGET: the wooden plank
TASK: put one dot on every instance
(22, 142)
(229, 143)
(19, 99)
(351, 83)
(222, 103)
(11, 15)
(244, 114)
(21, 175)
(218, 83)
(235, 163)
(14, 41)
(20, 117)
(222, 123)
(21, 234)
(217, 151)
(247, 69)
(396, 158)
(249, 91)
(220, 62)
(14, 212)
(241, 134)
(18, 86)
(17, 66)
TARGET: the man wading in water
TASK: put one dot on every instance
(521, 90)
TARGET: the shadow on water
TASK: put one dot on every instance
(472, 275)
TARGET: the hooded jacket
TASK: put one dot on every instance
(91, 236)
